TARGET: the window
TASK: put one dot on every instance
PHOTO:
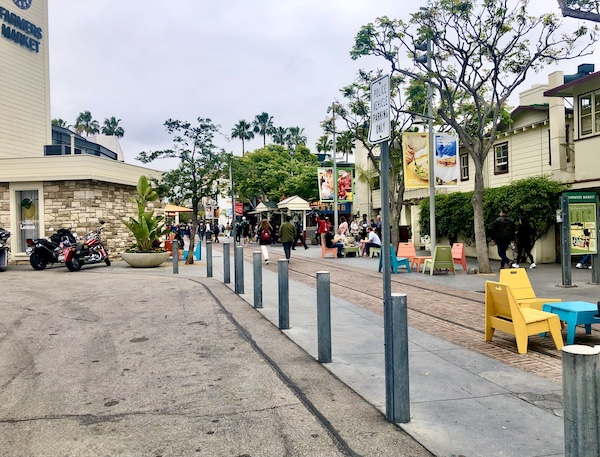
(28, 217)
(464, 167)
(501, 158)
(589, 114)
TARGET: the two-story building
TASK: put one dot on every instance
(50, 177)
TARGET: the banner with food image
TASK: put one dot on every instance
(445, 167)
(415, 150)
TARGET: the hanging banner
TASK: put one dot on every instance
(325, 176)
(415, 152)
(445, 166)
(345, 184)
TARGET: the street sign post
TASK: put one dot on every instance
(379, 130)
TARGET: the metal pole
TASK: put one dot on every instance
(239, 269)
(257, 274)
(335, 175)
(209, 268)
(398, 407)
(226, 264)
(432, 230)
(581, 365)
(175, 252)
(284, 293)
(323, 317)
(565, 246)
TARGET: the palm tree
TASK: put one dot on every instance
(345, 143)
(297, 137)
(280, 135)
(111, 127)
(61, 123)
(263, 125)
(85, 123)
(324, 144)
(242, 130)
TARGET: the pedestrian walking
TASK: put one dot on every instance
(299, 234)
(524, 243)
(287, 234)
(503, 232)
(265, 239)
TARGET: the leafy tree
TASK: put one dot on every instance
(111, 127)
(270, 173)
(581, 9)
(281, 135)
(482, 51)
(263, 125)
(243, 131)
(61, 123)
(345, 143)
(201, 164)
(86, 123)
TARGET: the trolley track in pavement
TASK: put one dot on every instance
(455, 315)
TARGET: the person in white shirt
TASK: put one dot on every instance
(373, 241)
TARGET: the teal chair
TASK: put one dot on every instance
(395, 262)
(441, 260)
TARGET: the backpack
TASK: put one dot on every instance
(265, 235)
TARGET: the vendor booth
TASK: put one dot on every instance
(297, 208)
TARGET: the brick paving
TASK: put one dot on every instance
(451, 314)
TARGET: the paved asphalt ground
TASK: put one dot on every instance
(118, 361)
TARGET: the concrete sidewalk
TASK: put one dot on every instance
(462, 403)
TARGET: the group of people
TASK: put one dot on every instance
(505, 231)
(289, 233)
(365, 235)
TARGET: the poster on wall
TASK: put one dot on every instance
(582, 220)
(415, 152)
(345, 184)
(445, 167)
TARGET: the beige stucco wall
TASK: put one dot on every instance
(25, 88)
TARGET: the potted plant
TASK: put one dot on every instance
(147, 229)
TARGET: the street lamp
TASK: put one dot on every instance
(335, 176)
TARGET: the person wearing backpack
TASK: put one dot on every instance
(265, 239)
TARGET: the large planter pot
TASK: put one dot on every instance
(145, 259)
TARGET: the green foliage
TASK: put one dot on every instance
(147, 228)
(243, 131)
(271, 173)
(111, 127)
(536, 199)
(86, 123)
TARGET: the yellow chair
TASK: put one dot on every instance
(503, 313)
(442, 259)
(521, 288)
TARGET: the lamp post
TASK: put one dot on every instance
(335, 176)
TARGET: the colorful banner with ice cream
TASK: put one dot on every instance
(415, 149)
(445, 168)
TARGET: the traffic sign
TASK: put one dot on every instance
(379, 129)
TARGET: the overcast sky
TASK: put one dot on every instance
(144, 61)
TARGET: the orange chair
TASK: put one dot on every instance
(408, 250)
(325, 250)
(458, 254)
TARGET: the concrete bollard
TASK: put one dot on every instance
(397, 394)
(238, 261)
(175, 252)
(257, 273)
(209, 268)
(581, 380)
(323, 317)
(284, 293)
(226, 264)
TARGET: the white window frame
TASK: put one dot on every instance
(501, 158)
(591, 114)
(464, 167)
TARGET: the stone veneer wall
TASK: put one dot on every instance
(81, 205)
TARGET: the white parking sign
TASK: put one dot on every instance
(379, 130)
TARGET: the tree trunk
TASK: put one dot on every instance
(483, 260)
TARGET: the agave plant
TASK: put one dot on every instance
(148, 228)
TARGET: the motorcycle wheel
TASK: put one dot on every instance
(107, 262)
(74, 264)
(37, 262)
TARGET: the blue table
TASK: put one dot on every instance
(574, 313)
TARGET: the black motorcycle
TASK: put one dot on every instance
(4, 235)
(44, 251)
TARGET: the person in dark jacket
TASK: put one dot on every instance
(287, 233)
(503, 232)
(524, 243)
(299, 234)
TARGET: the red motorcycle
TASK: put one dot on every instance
(88, 252)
